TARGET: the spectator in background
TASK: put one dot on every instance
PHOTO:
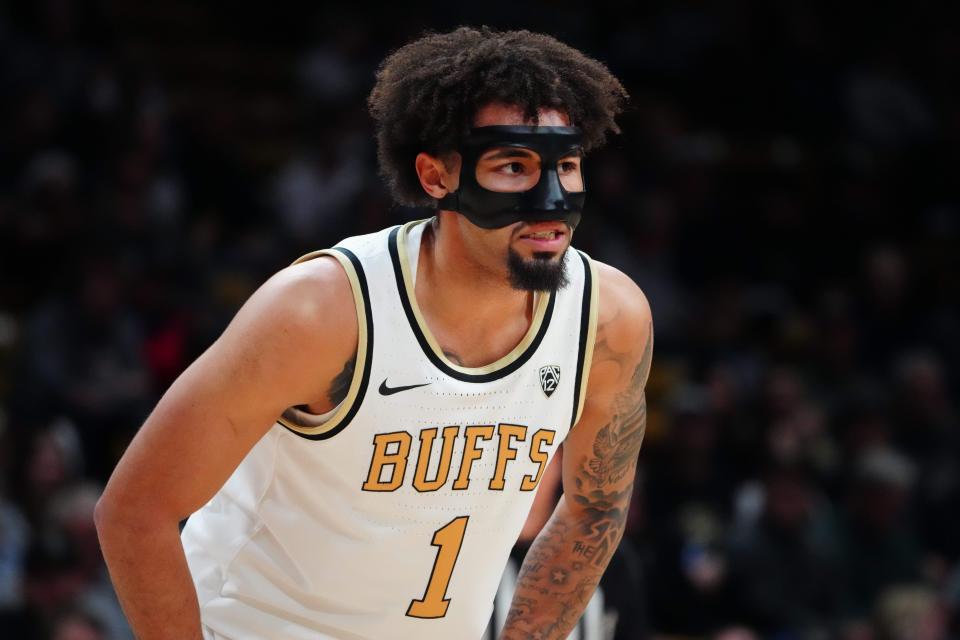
(53, 462)
(71, 519)
(688, 500)
(863, 418)
(15, 535)
(909, 613)
(77, 625)
(877, 544)
(784, 568)
(690, 468)
(83, 353)
(736, 633)
(312, 191)
(951, 600)
(61, 566)
(928, 433)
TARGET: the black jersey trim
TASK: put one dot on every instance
(366, 333)
(504, 371)
(586, 318)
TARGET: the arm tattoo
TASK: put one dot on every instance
(567, 559)
(341, 383)
(452, 357)
(617, 443)
(544, 579)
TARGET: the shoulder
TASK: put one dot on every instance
(624, 316)
(301, 318)
(323, 293)
(307, 294)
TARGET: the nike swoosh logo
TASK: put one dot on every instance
(389, 391)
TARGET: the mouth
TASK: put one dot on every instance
(545, 236)
(543, 230)
(542, 235)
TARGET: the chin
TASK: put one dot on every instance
(542, 271)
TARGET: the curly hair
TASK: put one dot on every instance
(428, 92)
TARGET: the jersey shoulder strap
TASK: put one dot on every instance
(351, 253)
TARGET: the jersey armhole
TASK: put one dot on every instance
(588, 334)
(327, 425)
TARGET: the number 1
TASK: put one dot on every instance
(448, 538)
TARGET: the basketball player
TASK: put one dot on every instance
(359, 449)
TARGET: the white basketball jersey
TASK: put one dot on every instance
(393, 515)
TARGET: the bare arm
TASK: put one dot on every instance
(297, 329)
(567, 559)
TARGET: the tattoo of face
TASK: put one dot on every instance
(341, 383)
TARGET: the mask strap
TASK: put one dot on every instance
(449, 202)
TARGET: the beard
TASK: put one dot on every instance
(539, 273)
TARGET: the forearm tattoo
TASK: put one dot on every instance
(567, 559)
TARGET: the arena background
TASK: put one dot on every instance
(785, 191)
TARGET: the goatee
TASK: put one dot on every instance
(540, 273)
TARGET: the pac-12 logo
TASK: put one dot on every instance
(549, 378)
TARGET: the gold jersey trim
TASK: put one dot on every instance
(310, 425)
(533, 332)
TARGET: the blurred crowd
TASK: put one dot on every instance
(784, 191)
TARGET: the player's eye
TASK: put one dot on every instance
(513, 168)
(568, 166)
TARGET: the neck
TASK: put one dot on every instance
(466, 299)
(461, 285)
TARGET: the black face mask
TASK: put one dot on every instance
(546, 201)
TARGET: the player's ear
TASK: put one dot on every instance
(438, 177)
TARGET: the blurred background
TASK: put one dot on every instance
(785, 191)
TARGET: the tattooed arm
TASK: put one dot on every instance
(565, 562)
